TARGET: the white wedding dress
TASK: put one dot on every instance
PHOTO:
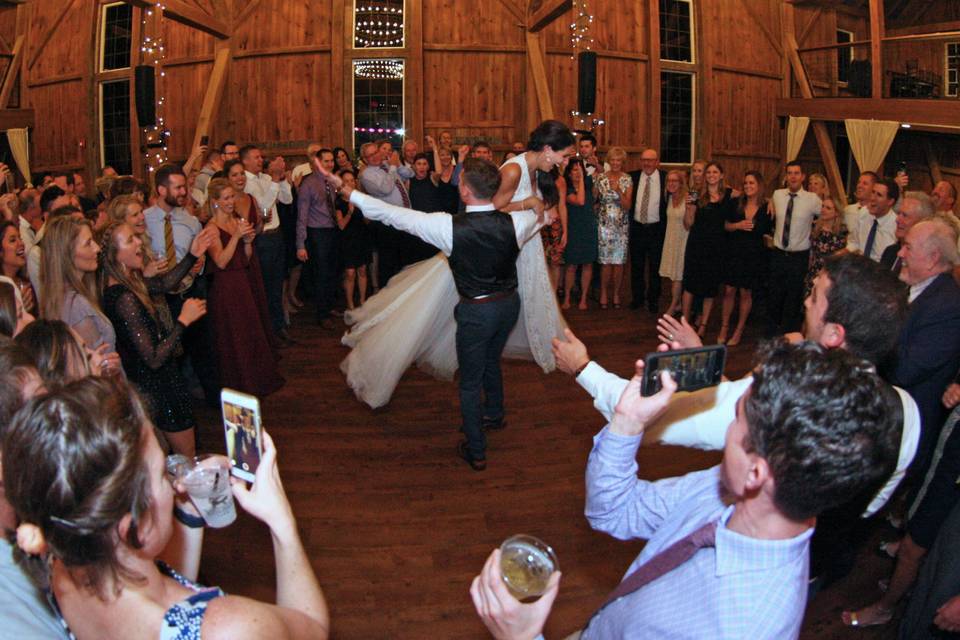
(411, 320)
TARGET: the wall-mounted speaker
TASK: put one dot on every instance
(146, 95)
(586, 81)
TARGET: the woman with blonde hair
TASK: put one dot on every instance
(237, 303)
(68, 276)
(817, 183)
(675, 237)
(147, 348)
(612, 193)
(829, 235)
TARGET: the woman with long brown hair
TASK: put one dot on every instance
(147, 349)
(68, 276)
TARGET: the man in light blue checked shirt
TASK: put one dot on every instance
(790, 453)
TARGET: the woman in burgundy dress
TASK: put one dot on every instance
(237, 303)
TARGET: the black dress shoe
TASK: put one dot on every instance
(489, 424)
(477, 464)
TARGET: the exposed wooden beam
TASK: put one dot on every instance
(549, 11)
(924, 29)
(810, 25)
(190, 15)
(513, 9)
(753, 73)
(764, 28)
(935, 174)
(538, 68)
(653, 74)
(211, 100)
(414, 81)
(282, 51)
(247, 12)
(13, 72)
(64, 9)
(876, 47)
(16, 119)
(920, 114)
(827, 153)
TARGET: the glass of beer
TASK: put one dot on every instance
(526, 564)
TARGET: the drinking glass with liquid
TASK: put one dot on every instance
(206, 479)
(526, 563)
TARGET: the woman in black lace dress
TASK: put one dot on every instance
(147, 351)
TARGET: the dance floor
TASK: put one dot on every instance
(397, 526)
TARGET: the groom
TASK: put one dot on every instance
(481, 246)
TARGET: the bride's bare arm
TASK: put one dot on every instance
(509, 181)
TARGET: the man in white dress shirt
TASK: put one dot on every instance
(864, 191)
(876, 229)
(648, 225)
(795, 210)
(267, 189)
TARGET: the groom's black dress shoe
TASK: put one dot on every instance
(477, 464)
(491, 424)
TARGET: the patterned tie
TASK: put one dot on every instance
(645, 199)
(169, 249)
(785, 236)
(663, 563)
(871, 237)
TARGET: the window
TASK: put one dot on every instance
(844, 55)
(377, 24)
(115, 36)
(676, 117)
(953, 68)
(115, 126)
(676, 33)
(378, 101)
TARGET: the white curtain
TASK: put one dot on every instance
(20, 147)
(796, 132)
(870, 140)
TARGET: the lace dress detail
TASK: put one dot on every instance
(411, 321)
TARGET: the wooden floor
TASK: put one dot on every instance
(397, 526)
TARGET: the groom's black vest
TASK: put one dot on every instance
(484, 256)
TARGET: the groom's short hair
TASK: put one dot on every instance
(482, 176)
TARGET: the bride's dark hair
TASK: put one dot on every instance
(557, 136)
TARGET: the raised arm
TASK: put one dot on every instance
(434, 228)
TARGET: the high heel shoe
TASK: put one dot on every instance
(722, 337)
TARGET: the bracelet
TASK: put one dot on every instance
(192, 521)
(580, 370)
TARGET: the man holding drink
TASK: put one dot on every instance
(737, 535)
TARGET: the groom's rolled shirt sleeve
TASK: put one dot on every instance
(435, 228)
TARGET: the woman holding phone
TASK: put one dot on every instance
(96, 536)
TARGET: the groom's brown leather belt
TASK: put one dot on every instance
(492, 297)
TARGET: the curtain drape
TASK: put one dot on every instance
(870, 140)
(796, 132)
(20, 147)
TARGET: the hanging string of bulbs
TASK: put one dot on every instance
(580, 37)
(378, 69)
(156, 137)
(379, 25)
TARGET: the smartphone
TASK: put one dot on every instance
(902, 168)
(243, 432)
(691, 369)
(11, 182)
(204, 140)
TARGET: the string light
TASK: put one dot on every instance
(156, 137)
(378, 69)
(580, 37)
(379, 25)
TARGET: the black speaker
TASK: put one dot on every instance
(146, 95)
(587, 81)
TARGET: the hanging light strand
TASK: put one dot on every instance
(580, 37)
(153, 52)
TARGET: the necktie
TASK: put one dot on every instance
(785, 236)
(871, 237)
(402, 189)
(896, 266)
(645, 199)
(663, 563)
(169, 249)
(329, 192)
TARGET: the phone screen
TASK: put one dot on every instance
(242, 428)
(690, 368)
(204, 140)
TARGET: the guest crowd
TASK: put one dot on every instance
(122, 304)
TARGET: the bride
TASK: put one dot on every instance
(411, 319)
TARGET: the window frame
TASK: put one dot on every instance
(947, 69)
(100, 123)
(353, 101)
(850, 38)
(102, 37)
(693, 36)
(694, 93)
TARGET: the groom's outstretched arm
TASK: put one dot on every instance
(435, 228)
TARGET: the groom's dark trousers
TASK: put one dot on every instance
(482, 329)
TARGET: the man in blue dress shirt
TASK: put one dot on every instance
(790, 453)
